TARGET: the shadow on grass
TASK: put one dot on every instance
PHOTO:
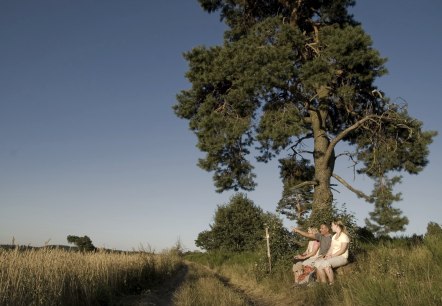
(158, 295)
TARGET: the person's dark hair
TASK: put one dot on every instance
(326, 225)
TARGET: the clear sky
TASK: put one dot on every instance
(89, 144)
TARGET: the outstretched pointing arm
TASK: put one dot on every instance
(302, 233)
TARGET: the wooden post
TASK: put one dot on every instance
(268, 248)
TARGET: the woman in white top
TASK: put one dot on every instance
(336, 256)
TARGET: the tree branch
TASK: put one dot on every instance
(351, 128)
(350, 156)
(299, 142)
(359, 193)
(306, 183)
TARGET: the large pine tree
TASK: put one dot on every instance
(291, 73)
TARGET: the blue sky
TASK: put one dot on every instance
(89, 144)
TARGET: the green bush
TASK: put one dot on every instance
(434, 245)
(238, 226)
(434, 229)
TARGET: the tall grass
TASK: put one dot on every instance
(392, 272)
(59, 277)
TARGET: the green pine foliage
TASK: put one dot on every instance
(385, 218)
(296, 202)
(289, 75)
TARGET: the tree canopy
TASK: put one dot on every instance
(434, 229)
(294, 74)
(83, 243)
(238, 226)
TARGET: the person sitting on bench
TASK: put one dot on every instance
(336, 256)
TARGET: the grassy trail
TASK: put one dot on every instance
(195, 284)
(159, 295)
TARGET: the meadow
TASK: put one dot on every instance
(48, 276)
(400, 271)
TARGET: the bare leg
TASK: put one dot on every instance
(297, 270)
(321, 275)
(330, 274)
(296, 274)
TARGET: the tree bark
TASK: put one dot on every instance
(322, 196)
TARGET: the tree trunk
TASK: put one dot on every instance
(322, 196)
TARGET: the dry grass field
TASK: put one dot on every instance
(59, 277)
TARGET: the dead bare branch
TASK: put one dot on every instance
(376, 119)
(299, 142)
(359, 193)
(303, 184)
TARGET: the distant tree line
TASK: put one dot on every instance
(84, 244)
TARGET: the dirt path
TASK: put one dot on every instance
(163, 296)
(251, 298)
(159, 296)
